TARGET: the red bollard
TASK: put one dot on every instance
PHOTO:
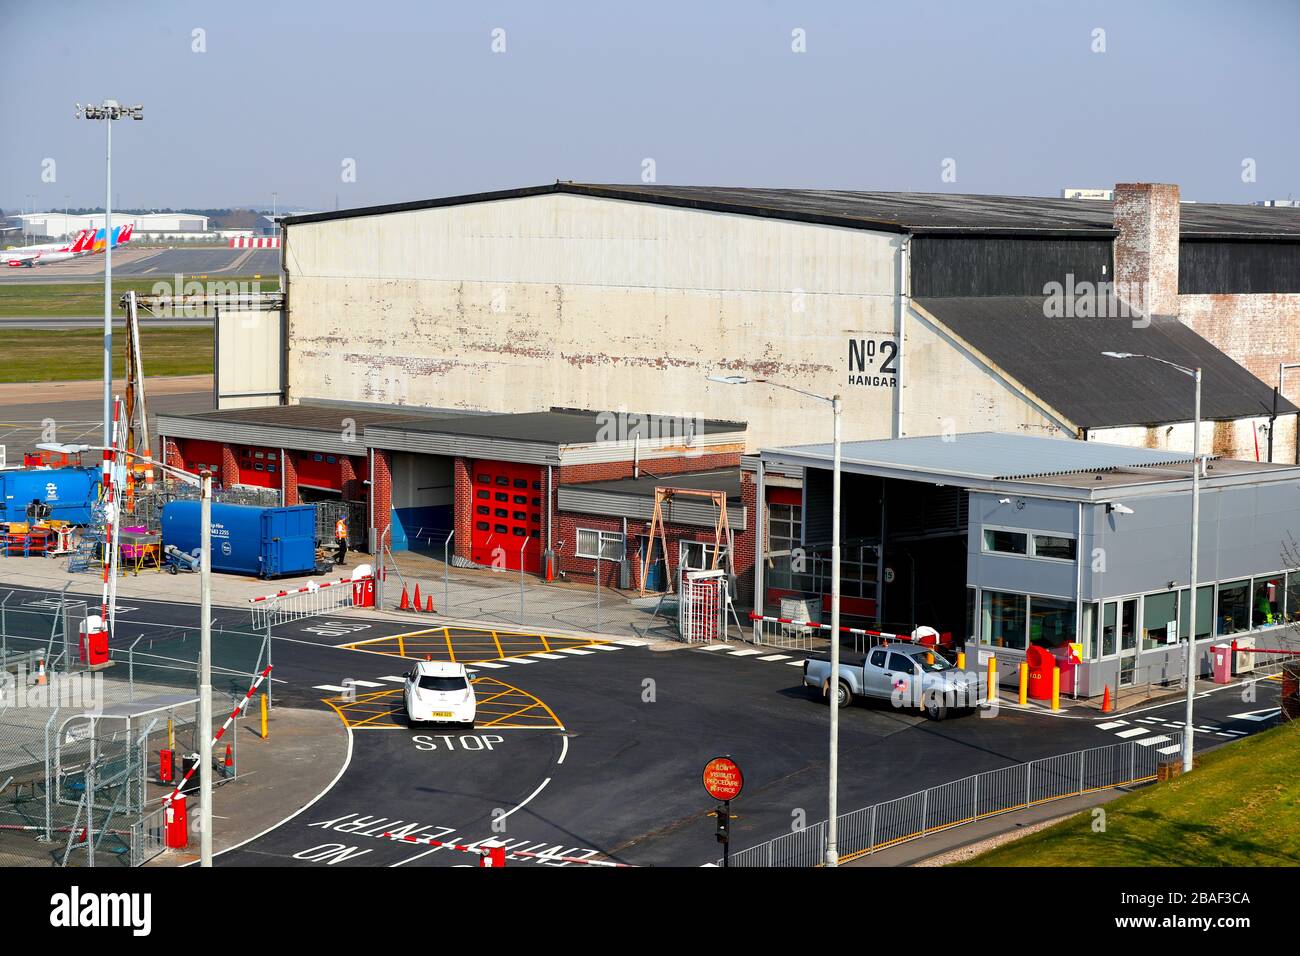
(166, 766)
(176, 833)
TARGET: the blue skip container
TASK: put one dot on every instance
(69, 492)
(246, 539)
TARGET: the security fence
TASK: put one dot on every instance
(977, 797)
(79, 775)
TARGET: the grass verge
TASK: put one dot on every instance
(1240, 807)
(63, 355)
(64, 299)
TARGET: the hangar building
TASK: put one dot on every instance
(491, 324)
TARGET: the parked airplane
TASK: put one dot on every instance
(28, 256)
(121, 235)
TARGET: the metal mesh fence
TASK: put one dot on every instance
(78, 772)
(882, 825)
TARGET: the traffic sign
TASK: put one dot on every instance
(723, 779)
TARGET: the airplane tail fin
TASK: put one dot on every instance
(125, 235)
(84, 240)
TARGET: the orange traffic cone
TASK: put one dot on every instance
(230, 761)
(1107, 706)
(416, 600)
(406, 600)
(428, 605)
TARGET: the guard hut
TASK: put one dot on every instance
(1011, 541)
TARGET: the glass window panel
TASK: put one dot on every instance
(1158, 610)
(1293, 596)
(1003, 620)
(1006, 542)
(1051, 621)
(1109, 628)
(1232, 612)
(1052, 546)
(1089, 636)
(1266, 601)
(1204, 611)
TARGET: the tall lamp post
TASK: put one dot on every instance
(202, 481)
(1192, 669)
(833, 691)
(109, 110)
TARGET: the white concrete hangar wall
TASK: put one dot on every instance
(557, 299)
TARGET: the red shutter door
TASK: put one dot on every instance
(506, 504)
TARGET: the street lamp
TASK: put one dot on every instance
(202, 481)
(1195, 374)
(109, 110)
(832, 853)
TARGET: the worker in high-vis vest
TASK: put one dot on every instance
(341, 537)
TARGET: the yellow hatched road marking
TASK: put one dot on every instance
(507, 708)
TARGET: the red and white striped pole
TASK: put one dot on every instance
(112, 522)
(224, 727)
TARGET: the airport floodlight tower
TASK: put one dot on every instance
(109, 110)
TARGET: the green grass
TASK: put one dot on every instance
(62, 299)
(1240, 807)
(63, 355)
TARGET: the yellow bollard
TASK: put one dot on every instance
(961, 660)
(265, 729)
(1024, 683)
(993, 677)
(171, 735)
(1056, 688)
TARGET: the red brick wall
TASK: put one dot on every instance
(745, 541)
(610, 471)
(381, 493)
(1146, 249)
(172, 453)
(289, 467)
(229, 467)
(462, 506)
(353, 490)
(1259, 331)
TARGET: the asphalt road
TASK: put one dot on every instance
(214, 261)
(614, 771)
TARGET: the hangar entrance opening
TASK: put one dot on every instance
(508, 501)
(421, 502)
(903, 551)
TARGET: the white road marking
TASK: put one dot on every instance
(364, 683)
(1256, 714)
(1148, 741)
(547, 657)
(540, 786)
(331, 687)
(1112, 725)
(1131, 733)
(748, 652)
(489, 664)
(1170, 750)
(795, 663)
(603, 647)
(1148, 720)
(573, 650)
(713, 647)
(630, 641)
(517, 660)
(395, 680)
(564, 748)
(775, 657)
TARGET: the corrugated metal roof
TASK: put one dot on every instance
(888, 211)
(1059, 360)
(991, 456)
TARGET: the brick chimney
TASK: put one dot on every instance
(1146, 249)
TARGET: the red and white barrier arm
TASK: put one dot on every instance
(229, 720)
(481, 850)
(305, 590)
(827, 627)
(1262, 650)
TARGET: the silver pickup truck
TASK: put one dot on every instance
(910, 675)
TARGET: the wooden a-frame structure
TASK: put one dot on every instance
(721, 530)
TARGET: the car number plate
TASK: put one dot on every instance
(441, 713)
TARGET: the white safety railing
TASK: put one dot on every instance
(982, 795)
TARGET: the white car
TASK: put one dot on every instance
(439, 692)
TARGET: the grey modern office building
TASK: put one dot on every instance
(1007, 541)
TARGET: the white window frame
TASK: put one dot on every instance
(603, 540)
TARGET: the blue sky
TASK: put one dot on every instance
(285, 92)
